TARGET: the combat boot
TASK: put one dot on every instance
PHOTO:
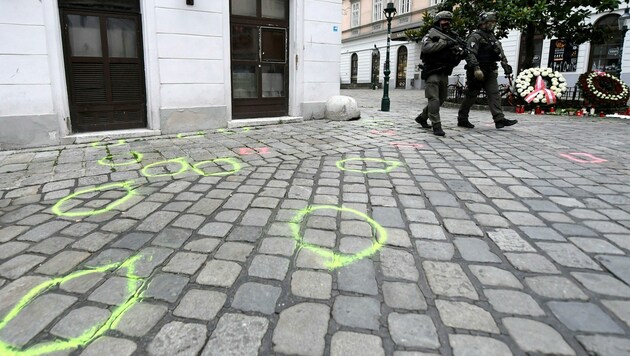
(504, 122)
(423, 122)
(437, 130)
(464, 123)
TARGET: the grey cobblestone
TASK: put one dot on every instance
(358, 277)
(236, 335)
(310, 284)
(166, 286)
(79, 321)
(413, 330)
(140, 318)
(477, 345)
(555, 287)
(107, 345)
(584, 317)
(475, 250)
(301, 329)
(200, 304)
(533, 336)
(345, 343)
(357, 312)
(219, 273)
(466, 316)
(177, 338)
(602, 284)
(448, 279)
(256, 297)
(398, 264)
(19, 265)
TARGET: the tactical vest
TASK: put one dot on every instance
(489, 52)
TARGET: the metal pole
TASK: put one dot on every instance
(385, 100)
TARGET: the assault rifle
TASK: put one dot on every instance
(457, 40)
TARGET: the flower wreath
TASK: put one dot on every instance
(532, 85)
(604, 89)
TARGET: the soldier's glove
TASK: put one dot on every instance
(478, 74)
(506, 68)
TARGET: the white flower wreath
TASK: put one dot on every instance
(622, 90)
(527, 83)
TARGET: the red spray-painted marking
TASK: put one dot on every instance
(250, 151)
(383, 133)
(406, 144)
(591, 158)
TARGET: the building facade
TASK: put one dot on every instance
(72, 69)
(364, 39)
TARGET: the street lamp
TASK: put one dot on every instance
(390, 12)
(624, 23)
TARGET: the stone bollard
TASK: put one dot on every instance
(342, 108)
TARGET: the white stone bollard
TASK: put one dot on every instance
(342, 108)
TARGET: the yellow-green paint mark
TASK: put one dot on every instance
(391, 165)
(128, 186)
(134, 296)
(101, 144)
(236, 166)
(232, 132)
(337, 259)
(184, 165)
(108, 160)
(191, 135)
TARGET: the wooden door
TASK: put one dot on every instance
(259, 66)
(104, 67)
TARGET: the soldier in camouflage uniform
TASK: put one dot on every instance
(442, 51)
(484, 51)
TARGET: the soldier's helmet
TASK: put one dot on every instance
(443, 15)
(487, 16)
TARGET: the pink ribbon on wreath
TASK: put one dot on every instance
(540, 87)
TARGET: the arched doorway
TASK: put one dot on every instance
(354, 68)
(605, 56)
(401, 68)
(376, 60)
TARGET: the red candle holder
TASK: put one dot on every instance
(601, 114)
(628, 111)
(578, 113)
(538, 110)
(552, 109)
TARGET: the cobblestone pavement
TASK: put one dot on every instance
(368, 237)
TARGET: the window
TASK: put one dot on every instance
(354, 68)
(605, 56)
(404, 6)
(435, 2)
(355, 20)
(378, 10)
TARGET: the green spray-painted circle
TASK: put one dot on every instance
(56, 209)
(336, 259)
(183, 167)
(391, 165)
(135, 295)
(136, 155)
(101, 144)
(236, 166)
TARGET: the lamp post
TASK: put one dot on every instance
(390, 12)
(624, 23)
